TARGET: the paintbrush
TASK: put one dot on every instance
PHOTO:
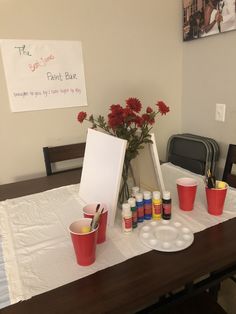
(95, 217)
(211, 182)
(98, 219)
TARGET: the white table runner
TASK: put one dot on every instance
(37, 250)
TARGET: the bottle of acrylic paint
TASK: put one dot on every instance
(166, 205)
(156, 205)
(132, 203)
(147, 203)
(139, 206)
(126, 218)
(134, 190)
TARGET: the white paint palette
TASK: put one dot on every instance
(166, 235)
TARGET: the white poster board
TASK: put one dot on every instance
(43, 74)
(102, 170)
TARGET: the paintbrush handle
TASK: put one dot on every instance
(98, 219)
(94, 220)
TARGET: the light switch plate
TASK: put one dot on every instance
(220, 112)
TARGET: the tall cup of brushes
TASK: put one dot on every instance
(90, 210)
(216, 198)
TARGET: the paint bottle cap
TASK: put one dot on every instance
(139, 197)
(132, 202)
(135, 189)
(147, 195)
(126, 209)
(156, 195)
(166, 195)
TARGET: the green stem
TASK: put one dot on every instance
(124, 191)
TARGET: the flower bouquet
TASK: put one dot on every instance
(127, 122)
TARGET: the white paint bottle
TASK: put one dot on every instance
(126, 218)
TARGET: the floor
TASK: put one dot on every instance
(227, 296)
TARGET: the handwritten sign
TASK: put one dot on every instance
(44, 74)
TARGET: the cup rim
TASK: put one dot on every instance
(102, 205)
(194, 182)
(218, 189)
(80, 233)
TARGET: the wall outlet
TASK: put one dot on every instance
(220, 112)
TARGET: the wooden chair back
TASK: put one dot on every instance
(62, 153)
(228, 176)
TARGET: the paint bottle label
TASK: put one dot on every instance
(140, 212)
(147, 209)
(167, 208)
(127, 224)
(156, 205)
(147, 203)
(156, 210)
(134, 219)
(166, 205)
(140, 206)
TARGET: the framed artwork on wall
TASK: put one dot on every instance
(203, 18)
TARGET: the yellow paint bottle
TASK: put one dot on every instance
(156, 205)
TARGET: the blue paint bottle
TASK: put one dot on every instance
(139, 206)
(147, 203)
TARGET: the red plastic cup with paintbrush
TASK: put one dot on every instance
(216, 192)
(84, 241)
(98, 212)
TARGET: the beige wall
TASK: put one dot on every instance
(130, 48)
(209, 77)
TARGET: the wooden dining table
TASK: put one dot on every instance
(139, 283)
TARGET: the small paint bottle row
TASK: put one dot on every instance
(151, 205)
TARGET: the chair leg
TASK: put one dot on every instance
(233, 278)
(213, 291)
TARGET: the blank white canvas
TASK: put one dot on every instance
(102, 170)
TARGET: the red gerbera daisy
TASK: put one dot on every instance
(115, 117)
(149, 110)
(134, 104)
(163, 109)
(81, 116)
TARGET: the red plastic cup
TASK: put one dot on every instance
(216, 200)
(187, 188)
(89, 211)
(84, 242)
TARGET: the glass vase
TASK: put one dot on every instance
(127, 182)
